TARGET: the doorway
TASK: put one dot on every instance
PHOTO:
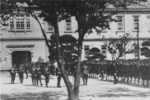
(21, 57)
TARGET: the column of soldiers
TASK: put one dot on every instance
(127, 71)
(36, 72)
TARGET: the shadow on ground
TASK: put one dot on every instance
(120, 92)
(117, 92)
(34, 96)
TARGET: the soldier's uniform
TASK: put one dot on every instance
(149, 72)
(46, 74)
(33, 75)
(13, 72)
(21, 72)
(121, 72)
(101, 71)
(26, 66)
(143, 71)
(85, 75)
(58, 77)
(115, 71)
(135, 71)
(38, 75)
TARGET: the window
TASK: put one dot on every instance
(103, 48)
(20, 22)
(28, 23)
(11, 23)
(68, 24)
(136, 23)
(50, 27)
(120, 23)
(86, 50)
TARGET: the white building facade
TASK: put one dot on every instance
(21, 39)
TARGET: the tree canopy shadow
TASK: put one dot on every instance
(35, 96)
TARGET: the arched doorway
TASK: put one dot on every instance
(20, 57)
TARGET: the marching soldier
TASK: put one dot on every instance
(33, 75)
(46, 73)
(58, 77)
(21, 72)
(13, 72)
(58, 74)
(26, 66)
(38, 75)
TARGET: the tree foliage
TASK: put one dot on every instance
(89, 14)
(145, 51)
(117, 47)
(95, 54)
(68, 49)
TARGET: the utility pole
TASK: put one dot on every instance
(138, 47)
(124, 32)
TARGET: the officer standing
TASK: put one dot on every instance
(21, 72)
(46, 73)
(13, 72)
(33, 75)
(85, 75)
(38, 75)
(58, 77)
(26, 67)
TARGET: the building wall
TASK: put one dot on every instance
(22, 38)
(128, 25)
(38, 50)
(35, 37)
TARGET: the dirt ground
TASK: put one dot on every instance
(95, 90)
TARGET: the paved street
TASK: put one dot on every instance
(96, 90)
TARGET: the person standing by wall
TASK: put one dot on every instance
(13, 72)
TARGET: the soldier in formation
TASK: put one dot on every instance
(127, 71)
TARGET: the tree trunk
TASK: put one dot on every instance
(61, 64)
(43, 32)
(72, 95)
